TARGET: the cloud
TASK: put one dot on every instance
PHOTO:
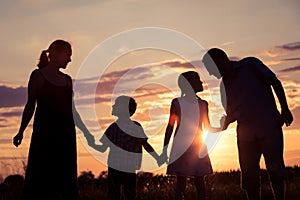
(291, 59)
(13, 158)
(5, 141)
(227, 43)
(151, 80)
(11, 114)
(291, 69)
(290, 46)
(181, 64)
(12, 97)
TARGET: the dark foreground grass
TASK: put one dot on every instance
(220, 186)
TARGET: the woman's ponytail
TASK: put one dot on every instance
(44, 60)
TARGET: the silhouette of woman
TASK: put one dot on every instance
(51, 171)
(189, 156)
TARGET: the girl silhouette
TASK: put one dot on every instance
(51, 171)
(189, 156)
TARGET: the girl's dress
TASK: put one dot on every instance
(51, 172)
(189, 156)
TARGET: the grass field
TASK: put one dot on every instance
(220, 186)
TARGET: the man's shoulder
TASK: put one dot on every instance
(250, 60)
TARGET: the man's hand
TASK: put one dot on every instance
(286, 117)
(17, 140)
(223, 122)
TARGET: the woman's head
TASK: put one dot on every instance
(59, 51)
(189, 82)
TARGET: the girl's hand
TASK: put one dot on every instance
(17, 140)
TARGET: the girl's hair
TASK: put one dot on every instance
(55, 47)
(185, 81)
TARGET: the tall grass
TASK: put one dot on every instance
(220, 186)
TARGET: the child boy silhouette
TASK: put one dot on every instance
(125, 138)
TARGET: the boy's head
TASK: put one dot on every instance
(124, 106)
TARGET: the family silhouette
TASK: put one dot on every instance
(246, 93)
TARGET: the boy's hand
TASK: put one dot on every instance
(89, 138)
(98, 147)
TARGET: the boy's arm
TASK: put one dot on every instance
(153, 153)
(102, 148)
(150, 150)
(104, 140)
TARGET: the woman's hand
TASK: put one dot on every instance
(17, 140)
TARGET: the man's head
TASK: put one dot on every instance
(124, 106)
(217, 63)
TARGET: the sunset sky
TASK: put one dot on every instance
(269, 30)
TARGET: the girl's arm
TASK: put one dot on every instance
(33, 86)
(169, 129)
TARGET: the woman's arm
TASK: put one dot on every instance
(33, 86)
(79, 123)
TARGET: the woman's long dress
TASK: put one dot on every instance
(189, 156)
(51, 171)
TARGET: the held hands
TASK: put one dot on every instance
(286, 117)
(160, 160)
(163, 158)
(89, 138)
(17, 140)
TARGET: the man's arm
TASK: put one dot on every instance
(286, 114)
(229, 117)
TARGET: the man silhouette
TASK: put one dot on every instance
(246, 93)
